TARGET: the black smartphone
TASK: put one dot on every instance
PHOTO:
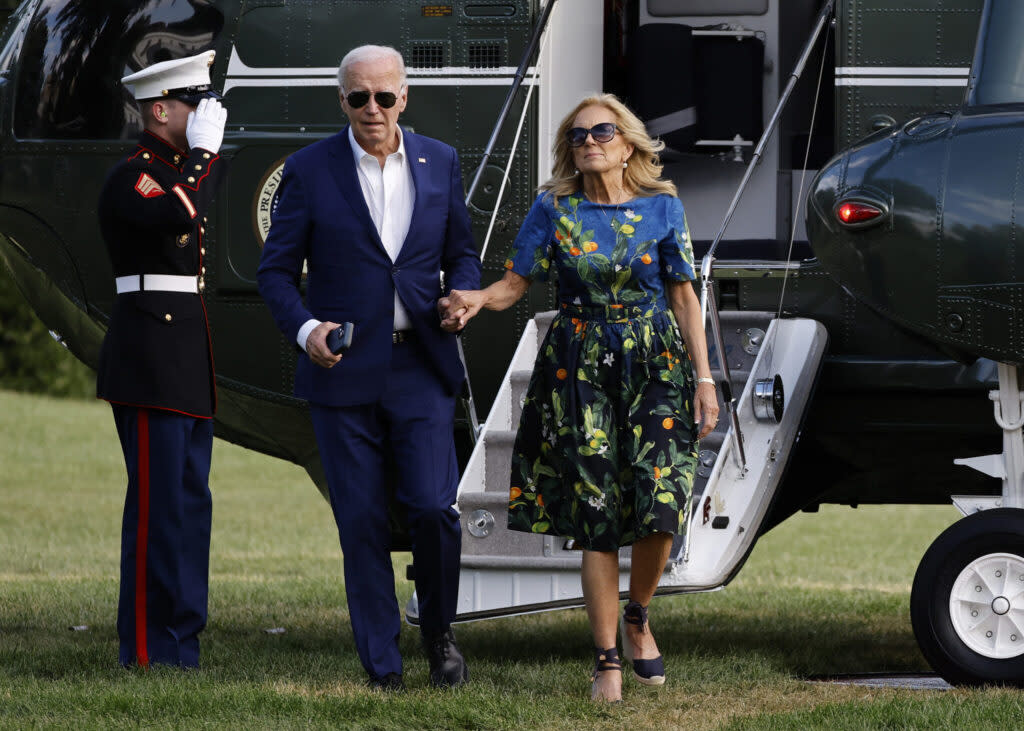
(340, 338)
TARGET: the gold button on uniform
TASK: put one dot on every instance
(202, 285)
(199, 167)
(202, 270)
(145, 155)
(191, 179)
(183, 239)
(177, 159)
(206, 155)
(202, 251)
(168, 317)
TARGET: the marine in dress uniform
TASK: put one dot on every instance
(156, 364)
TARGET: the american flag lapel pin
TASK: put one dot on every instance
(422, 160)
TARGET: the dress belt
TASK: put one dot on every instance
(157, 283)
(611, 313)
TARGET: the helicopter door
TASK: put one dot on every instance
(699, 89)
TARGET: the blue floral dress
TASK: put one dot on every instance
(607, 445)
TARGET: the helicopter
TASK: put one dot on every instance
(839, 389)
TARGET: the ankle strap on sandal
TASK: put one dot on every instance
(635, 613)
(606, 660)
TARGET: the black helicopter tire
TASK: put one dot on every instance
(975, 643)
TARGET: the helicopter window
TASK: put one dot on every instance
(998, 71)
(11, 50)
(74, 55)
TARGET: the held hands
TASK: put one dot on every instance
(458, 308)
(205, 126)
(705, 408)
(316, 345)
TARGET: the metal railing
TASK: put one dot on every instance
(709, 308)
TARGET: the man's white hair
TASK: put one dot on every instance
(370, 53)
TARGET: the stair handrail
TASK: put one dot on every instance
(709, 308)
(520, 75)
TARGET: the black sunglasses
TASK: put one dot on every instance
(384, 99)
(577, 136)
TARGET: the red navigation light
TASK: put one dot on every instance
(853, 212)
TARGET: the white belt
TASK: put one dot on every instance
(157, 283)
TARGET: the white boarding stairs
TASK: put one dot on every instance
(509, 572)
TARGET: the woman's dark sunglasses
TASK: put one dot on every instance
(577, 136)
(384, 99)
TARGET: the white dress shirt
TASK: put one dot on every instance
(389, 194)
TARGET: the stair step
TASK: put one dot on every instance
(495, 501)
(518, 380)
(498, 459)
(543, 321)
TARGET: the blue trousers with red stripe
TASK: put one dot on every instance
(165, 535)
(407, 432)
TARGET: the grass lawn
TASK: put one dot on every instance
(823, 593)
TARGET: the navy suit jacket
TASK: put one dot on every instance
(322, 218)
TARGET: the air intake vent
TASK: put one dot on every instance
(427, 55)
(485, 55)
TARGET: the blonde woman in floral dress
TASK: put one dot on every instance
(607, 444)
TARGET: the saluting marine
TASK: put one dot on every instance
(156, 365)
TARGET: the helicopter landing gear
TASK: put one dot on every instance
(967, 602)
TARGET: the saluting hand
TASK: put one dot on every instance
(205, 126)
(316, 345)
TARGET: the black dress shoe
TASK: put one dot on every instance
(447, 666)
(392, 682)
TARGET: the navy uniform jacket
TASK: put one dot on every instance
(322, 218)
(157, 351)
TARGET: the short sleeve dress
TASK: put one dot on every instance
(607, 445)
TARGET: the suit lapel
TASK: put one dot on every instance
(419, 164)
(343, 168)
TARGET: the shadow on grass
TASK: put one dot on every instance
(724, 636)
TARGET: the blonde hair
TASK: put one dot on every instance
(642, 174)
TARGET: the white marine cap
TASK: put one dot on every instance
(187, 79)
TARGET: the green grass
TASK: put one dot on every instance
(824, 593)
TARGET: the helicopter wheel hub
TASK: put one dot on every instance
(986, 605)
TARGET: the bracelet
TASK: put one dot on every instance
(706, 380)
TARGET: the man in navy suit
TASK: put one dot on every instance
(379, 215)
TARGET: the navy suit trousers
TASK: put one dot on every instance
(165, 535)
(406, 434)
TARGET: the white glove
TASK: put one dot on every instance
(205, 126)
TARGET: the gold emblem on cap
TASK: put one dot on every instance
(164, 92)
